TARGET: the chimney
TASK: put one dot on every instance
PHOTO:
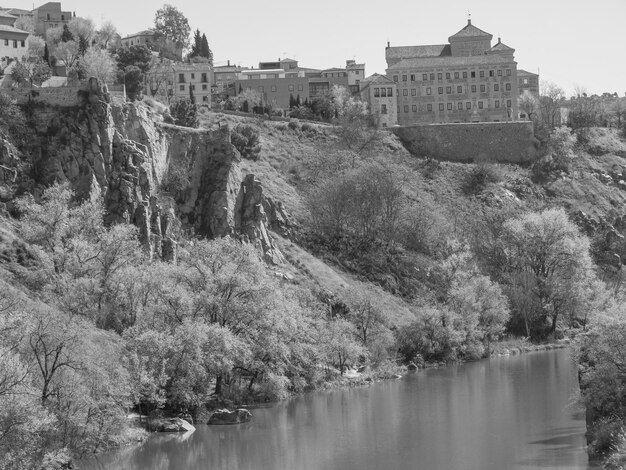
(388, 44)
(499, 41)
(228, 62)
(469, 21)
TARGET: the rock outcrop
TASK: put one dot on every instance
(166, 179)
(171, 425)
(230, 417)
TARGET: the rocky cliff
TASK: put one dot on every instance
(167, 180)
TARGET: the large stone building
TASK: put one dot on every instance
(191, 79)
(150, 39)
(379, 92)
(466, 80)
(282, 81)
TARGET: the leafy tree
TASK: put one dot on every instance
(66, 34)
(550, 266)
(133, 79)
(100, 64)
(173, 25)
(107, 36)
(184, 112)
(82, 29)
(137, 56)
(25, 23)
(36, 47)
(31, 72)
(68, 52)
(245, 138)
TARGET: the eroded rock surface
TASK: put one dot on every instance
(230, 417)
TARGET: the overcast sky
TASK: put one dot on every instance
(570, 42)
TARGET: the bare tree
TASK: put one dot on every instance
(551, 98)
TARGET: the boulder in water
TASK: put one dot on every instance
(230, 417)
(171, 425)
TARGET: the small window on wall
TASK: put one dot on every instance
(424, 76)
(496, 87)
(413, 92)
(473, 74)
(468, 105)
(448, 89)
(497, 103)
(464, 74)
(274, 88)
(440, 106)
(404, 78)
(429, 107)
(460, 105)
(205, 98)
(15, 44)
(483, 88)
(300, 88)
(480, 105)
(440, 90)
(414, 108)
(6, 42)
(507, 87)
(491, 73)
(447, 75)
(482, 74)
(383, 92)
(508, 103)
(449, 106)
(291, 88)
(182, 88)
(473, 88)
(23, 44)
(395, 78)
(389, 91)
(499, 72)
(428, 91)
(508, 72)
(376, 92)
(405, 92)
(456, 74)
(412, 78)
(432, 76)
(459, 89)
(406, 108)
(383, 109)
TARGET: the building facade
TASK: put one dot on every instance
(528, 81)
(379, 92)
(13, 41)
(283, 81)
(466, 80)
(50, 15)
(191, 79)
(148, 38)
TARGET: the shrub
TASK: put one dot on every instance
(481, 175)
(293, 125)
(184, 113)
(245, 138)
(306, 127)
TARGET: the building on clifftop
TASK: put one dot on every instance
(466, 80)
(379, 92)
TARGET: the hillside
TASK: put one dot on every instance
(251, 259)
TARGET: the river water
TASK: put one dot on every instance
(515, 412)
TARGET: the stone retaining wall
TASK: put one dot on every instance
(506, 142)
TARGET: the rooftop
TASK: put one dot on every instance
(11, 29)
(409, 52)
(470, 32)
(450, 61)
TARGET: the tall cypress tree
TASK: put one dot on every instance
(67, 35)
(205, 51)
(196, 47)
(46, 54)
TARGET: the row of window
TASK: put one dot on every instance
(383, 92)
(193, 87)
(15, 42)
(181, 77)
(459, 89)
(459, 106)
(449, 75)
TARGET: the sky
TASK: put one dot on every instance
(573, 43)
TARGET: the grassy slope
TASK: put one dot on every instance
(282, 170)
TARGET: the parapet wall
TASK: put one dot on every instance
(505, 142)
(65, 96)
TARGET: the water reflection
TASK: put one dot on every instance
(506, 413)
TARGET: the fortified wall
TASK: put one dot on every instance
(64, 97)
(504, 142)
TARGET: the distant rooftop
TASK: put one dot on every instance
(470, 31)
(11, 29)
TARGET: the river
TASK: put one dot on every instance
(515, 412)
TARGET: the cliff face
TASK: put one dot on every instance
(165, 179)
